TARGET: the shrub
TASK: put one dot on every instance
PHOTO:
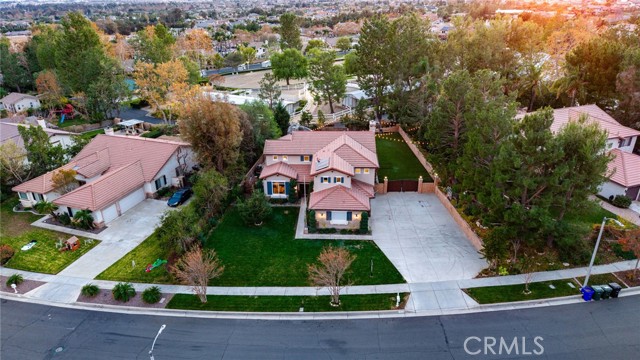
(6, 252)
(344, 231)
(255, 209)
(364, 223)
(90, 290)
(15, 279)
(123, 292)
(151, 295)
(165, 191)
(621, 201)
(64, 219)
(83, 219)
(293, 193)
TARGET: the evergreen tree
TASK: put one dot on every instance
(290, 32)
(282, 117)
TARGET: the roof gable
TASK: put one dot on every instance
(624, 168)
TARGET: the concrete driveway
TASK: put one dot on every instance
(421, 239)
(121, 236)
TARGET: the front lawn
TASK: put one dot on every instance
(510, 293)
(270, 256)
(44, 257)
(260, 256)
(145, 253)
(369, 302)
(397, 162)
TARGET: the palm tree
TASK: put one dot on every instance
(531, 82)
(83, 219)
(571, 84)
(46, 207)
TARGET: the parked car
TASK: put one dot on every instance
(179, 197)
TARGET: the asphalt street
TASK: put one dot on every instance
(597, 330)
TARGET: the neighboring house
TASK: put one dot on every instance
(16, 102)
(624, 169)
(9, 131)
(341, 166)
(625, 176)
(351, 98)
(114, 174)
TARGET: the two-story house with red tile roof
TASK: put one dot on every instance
(340, 166)
(114, 174)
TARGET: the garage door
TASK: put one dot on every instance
(131, 200)
(109, 213)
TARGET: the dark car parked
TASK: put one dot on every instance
(179, 197)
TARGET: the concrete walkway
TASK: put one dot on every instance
(121, 236)
(421, 239)
(427, 297)
(627, 214)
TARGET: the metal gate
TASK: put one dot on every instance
(402, 185)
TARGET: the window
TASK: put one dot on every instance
(358, 170)
(285, 158)
(279, 188)
(325, 179)
(23, 196)
(338, 179)
(161, 182)
(366, 171)
(275, 157)
(38, 197)
(306, 158)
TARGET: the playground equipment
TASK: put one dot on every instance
(157, 263)
(66, 112)
(72, 244)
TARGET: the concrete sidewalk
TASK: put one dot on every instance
(442, 296)
(627, 214)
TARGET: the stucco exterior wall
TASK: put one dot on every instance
(318, 186)
(291, 159)
(321, 218)
(273, 178)
(369, 178)
(610, 188)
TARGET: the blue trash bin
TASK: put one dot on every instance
(587, 293)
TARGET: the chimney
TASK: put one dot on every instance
(109, 131)
(372, 126)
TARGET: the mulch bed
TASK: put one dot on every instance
(627, 277)
(53, 221)
(105, 297)
(25, 287)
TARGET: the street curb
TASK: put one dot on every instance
(574, 299)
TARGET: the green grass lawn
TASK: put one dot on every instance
(270, 256)
(78, 120)
(260, 256)
(91, 134)
(285, 303)
(44, 257)
(510, 293)
(600, 279)
(145, 253)
(591, 213)
(397, 162)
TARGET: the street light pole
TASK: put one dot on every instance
(154, 341)
(595, 250)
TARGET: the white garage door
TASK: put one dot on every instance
(339, 217)
(109, 213)
(131, 200)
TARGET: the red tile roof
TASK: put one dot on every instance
(105, 191)
(363, 186)
(625, 168)
(105, 155)
(614, 129)
(339, 198)
(279, 168)
(303, 171)
(335, 163)
(308, 142)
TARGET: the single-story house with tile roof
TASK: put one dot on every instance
(16, 102)
(114, 174)
(341, 166)
(624, 170)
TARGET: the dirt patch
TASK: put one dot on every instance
(627, 277)
(25, 287)
(105, 297)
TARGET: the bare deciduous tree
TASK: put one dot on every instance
(334, 262)
(196, 268)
